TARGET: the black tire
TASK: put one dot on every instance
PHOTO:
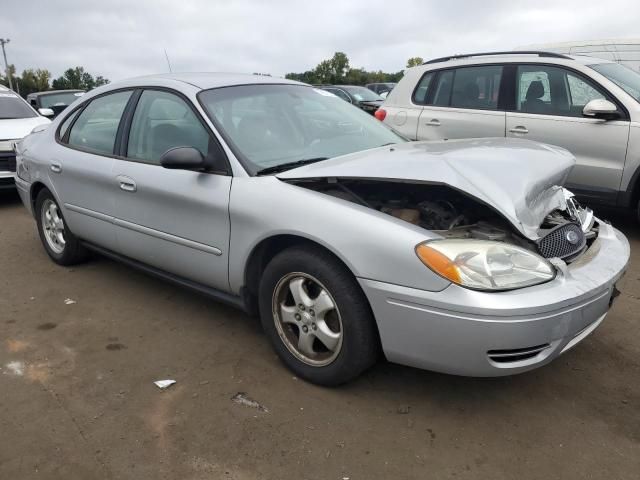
(72, 252)
(360, 344)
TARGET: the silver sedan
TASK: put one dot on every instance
(466, 257)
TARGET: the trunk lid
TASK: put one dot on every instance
(520, 179)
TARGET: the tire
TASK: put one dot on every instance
(61, 245)
(341, 342)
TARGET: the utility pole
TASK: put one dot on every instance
(3, 41)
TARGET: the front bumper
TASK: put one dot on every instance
(472, 333)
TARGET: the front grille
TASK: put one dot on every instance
(516, 354)
(7, 162)
(564, 241)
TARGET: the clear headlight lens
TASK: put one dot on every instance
(485, 265)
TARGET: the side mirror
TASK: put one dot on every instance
(46, 112)
(601, 108)
(183, 158)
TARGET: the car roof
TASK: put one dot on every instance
(206, 80)
(53, 92)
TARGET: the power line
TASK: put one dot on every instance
(4, 41)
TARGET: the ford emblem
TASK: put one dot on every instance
(572, 237)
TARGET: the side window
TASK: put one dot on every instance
(550, 90)
(96, 127)
(163, 121)
(443, 89)
(66, 123)
(422, 90)
(476, 87)
(341, 94)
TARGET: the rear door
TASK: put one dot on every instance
(81, 165)
(548, 108)
(461, 103)
(174, 220)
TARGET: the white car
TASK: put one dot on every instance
(587, 105)
(17, 120)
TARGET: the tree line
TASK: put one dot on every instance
(38, 80)
(337, 71)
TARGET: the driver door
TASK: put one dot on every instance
(174, 220)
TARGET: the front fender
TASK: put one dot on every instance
(372, 244)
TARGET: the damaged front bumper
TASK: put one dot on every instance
(472, 333)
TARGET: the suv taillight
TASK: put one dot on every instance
(380, 114)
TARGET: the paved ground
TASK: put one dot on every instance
(77, 399)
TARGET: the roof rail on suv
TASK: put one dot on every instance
(513, 52)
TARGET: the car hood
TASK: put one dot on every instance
(520, 179)
(16, 128)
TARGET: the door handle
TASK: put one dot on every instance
(519, 129)
(434, 122)
(127, 184)
(55, 167)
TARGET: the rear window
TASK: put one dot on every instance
(12, 106)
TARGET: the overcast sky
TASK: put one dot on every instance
(119, 39)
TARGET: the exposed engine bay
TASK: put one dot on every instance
(448, 212)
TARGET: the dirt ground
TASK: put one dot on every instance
(77, 399)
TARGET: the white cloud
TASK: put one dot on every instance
(119, 39)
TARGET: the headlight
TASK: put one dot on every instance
(485, 265)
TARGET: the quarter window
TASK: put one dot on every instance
(97, 125)
(422, 90)
(163, 121)
(549, 90)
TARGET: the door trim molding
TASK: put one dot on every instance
(167, 236)
(184, 242)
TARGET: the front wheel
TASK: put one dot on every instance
(58, 241)
(317, 317)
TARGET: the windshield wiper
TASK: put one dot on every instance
(289, 165)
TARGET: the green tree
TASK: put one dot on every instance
(337, 70)
(77, 78)
(414, 62)
(3, 77)
(34, 81)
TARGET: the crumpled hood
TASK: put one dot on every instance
(520, 179)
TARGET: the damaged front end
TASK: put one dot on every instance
(564, 234)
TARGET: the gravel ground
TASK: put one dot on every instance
(77, 399)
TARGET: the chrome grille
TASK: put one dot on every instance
(564, 241)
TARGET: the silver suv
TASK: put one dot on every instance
(587, 105)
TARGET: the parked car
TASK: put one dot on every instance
(361, 97)
(279, 198)
(587, 105)
(17, 119)
(54, 100)
(381, 88)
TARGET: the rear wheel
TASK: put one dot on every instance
(317, 317)
(58, 241)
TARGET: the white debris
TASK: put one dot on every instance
(242, 398)
(15, 368)
(69, 301)
(162, 384)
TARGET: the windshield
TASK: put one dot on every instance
(624, 77)
(362, 94)
(59, 99)
(271, 125)
(12, 106)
